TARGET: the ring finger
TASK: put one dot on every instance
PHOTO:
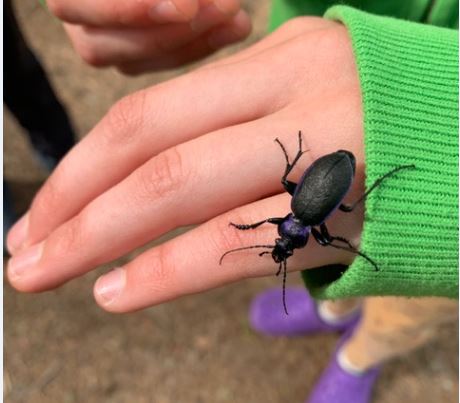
(189, 263)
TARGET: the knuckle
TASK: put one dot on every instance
(68, 239)
(155, 272)
(84, 41)
(47, 199)
(332, 39)
(163, 175)
(125, 120)
(90, 54)
(229, 237)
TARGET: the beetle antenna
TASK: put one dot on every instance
(284, 286)
(244, 248)
(281, 267)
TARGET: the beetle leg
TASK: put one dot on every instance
(279, 269)
(329, 238)
(274, 220)
(290, 186)
(324, 239)
(349, 208)
(289, 166)
(264, 253)
(324, 232)
(346, 208)
(357, 252)
(344, 240)
(319, 237)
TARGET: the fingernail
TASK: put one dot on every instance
(18, 234)
(109, 286)
(165, 11)
(25, 260)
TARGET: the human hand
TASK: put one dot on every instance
(140, 36)
(198, 149)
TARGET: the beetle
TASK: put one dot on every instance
(318, 194)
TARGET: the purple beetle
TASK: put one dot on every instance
(318, 194)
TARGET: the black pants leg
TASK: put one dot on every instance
(30, 97)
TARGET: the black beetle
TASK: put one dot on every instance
(319, 193)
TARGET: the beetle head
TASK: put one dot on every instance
(282, 250)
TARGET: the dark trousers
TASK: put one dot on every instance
(30, 97)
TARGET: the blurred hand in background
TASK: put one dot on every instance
(140, 36)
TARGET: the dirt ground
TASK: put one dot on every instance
(60, 347)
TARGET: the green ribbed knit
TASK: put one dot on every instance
(409, 82)
(436, 12)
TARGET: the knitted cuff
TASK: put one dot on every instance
(409, 82)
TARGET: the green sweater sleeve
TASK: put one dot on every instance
(409, 82)
(443, 13)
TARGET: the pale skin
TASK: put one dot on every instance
(146, 35)
(198, 149)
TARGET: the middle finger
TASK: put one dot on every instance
(139, 127)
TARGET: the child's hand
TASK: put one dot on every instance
(138, 36)
(198, 149)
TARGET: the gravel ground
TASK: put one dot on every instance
(60, 347)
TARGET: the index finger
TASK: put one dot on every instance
(121, 13)
(135, 129)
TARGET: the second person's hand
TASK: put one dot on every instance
(141, 36)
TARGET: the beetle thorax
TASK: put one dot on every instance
(294, 232)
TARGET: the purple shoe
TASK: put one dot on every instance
(267, 316)
(339, 386)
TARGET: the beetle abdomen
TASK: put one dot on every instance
(323, 186)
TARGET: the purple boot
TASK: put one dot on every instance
(340, 386)
(267, 315)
